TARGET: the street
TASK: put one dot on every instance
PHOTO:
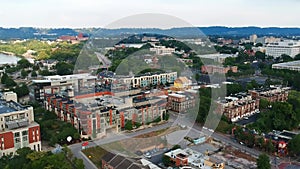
(196, 130)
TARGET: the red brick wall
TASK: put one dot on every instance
(8, 140)
(35, 130)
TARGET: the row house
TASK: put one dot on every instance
(272, 93)
(238, 106)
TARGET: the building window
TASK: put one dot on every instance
(24, 133)
(17, 134)
(17, 140)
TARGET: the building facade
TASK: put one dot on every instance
(291, 48)
(237, 106)
(295, 65)
(211, 69)
(272, 93)
(96, 113)
(162, 50)
(148, 79)
(76, 83)
(17, 127)
(181, 102)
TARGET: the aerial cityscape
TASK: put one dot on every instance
(161, 85)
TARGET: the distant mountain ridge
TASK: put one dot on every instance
(53, 33)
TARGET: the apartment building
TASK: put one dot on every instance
(211, 69)
(162, 50)
(288, 47)
(56, 84)
(182, 101)
(96, 113)
(238, 106)
(148, 79)
(272, 93)
(17, 126)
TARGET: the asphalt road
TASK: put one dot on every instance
(225, 139)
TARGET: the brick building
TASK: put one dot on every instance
(17, 126)
(272, 93)
(238, 106)
(93, 114)
(182, 101)
(211, 69)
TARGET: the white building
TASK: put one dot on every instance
(291, 48)
(295, 65)
(217, 57)
(149, 79)
(253, 38)
(162, 50)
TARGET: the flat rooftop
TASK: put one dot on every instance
(9, 106)
(6, 109)
(289, 64)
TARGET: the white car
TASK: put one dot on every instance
(148, 155)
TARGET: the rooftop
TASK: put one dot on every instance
(9, 106)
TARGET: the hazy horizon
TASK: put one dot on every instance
(99, 13)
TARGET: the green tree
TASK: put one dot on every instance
(24, 63)
(33, 74)
(260, 55)
(258, 44)
(128, 125)
(24, 73)
(63, 68)
(294, 146)
(263, 103)
(286, 58)
(21, 90)
(8, 81)
(263, 162)
(297, 57)
(166, 160)
(4, 78)
(270, 146)
(234, 88)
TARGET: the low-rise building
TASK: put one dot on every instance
(238, 106)
(218, 57)
(211, 69)
(295, 65)
(272, 93)
(182, 83)
(113, 161)
(182, 101)
(188, 158)
(17, 126)
(162, 50)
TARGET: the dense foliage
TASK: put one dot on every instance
(29, 159)
(52, 129)
(263, 162)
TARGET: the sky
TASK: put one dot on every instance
(100, 13)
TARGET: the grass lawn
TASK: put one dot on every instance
(95, 154)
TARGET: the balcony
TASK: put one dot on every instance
(17, 123)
